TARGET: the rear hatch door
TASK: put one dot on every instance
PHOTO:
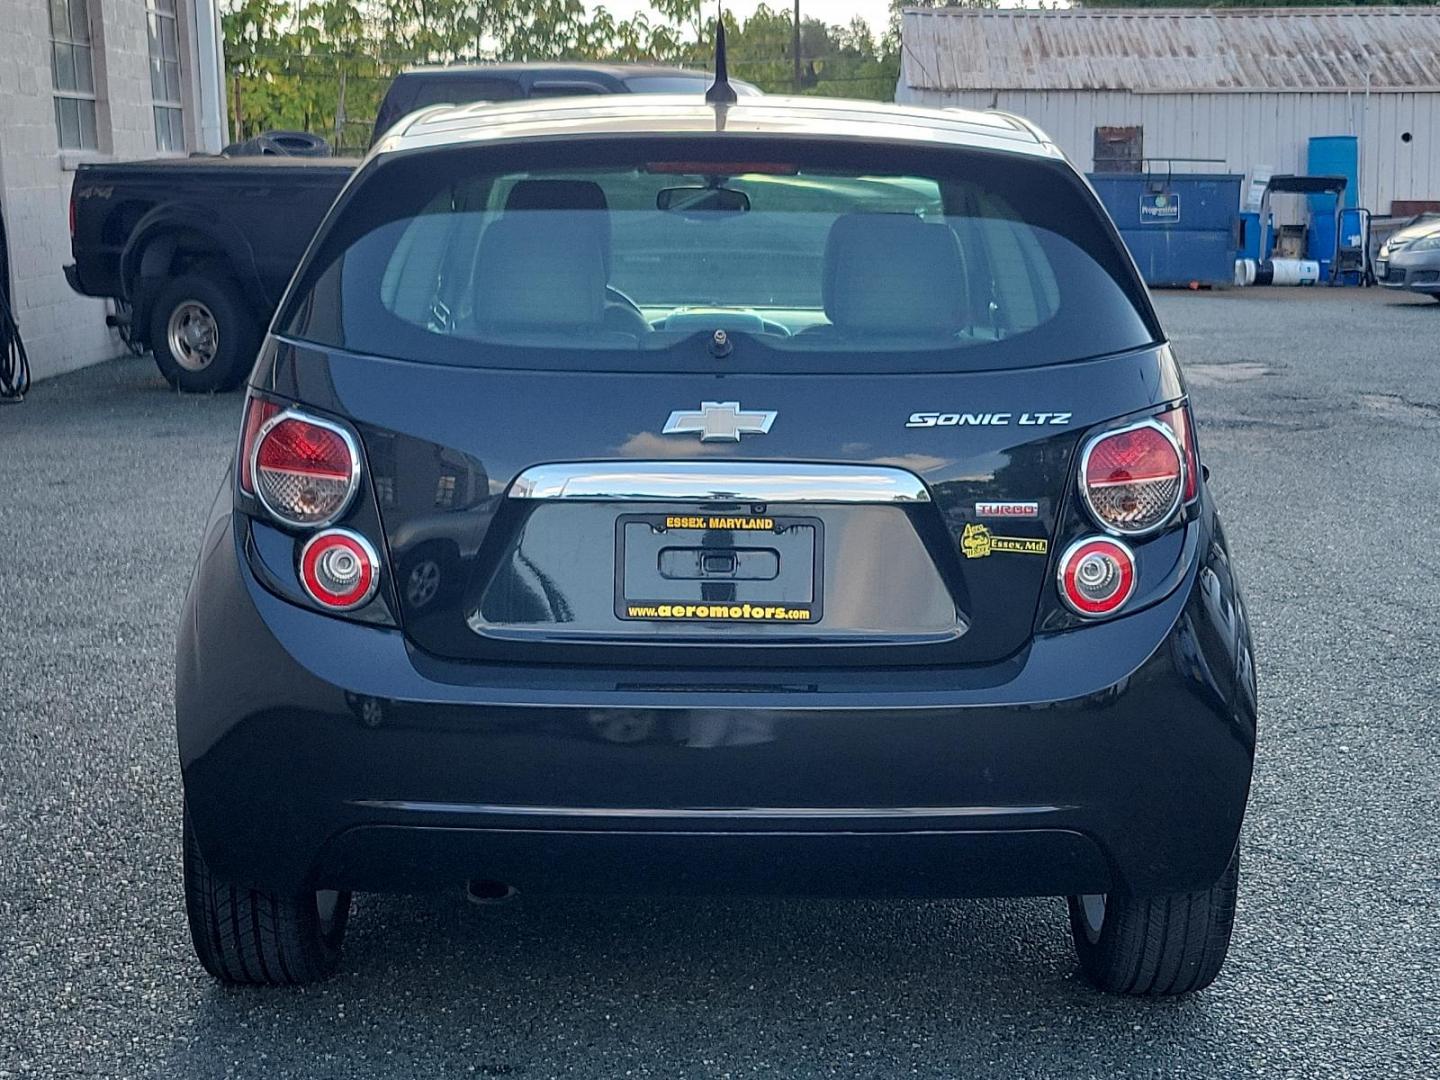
(548, 516)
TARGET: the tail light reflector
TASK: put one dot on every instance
(1097, 576)
(1133, 478)
(1182, 426)
(257, 412)
(339, 569)
(305, 471)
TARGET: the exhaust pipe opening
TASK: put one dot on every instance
(488, 891)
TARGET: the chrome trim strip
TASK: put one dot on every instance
(779, 813)
(732, 481)
(306, 418)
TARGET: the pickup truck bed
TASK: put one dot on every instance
(221, 235)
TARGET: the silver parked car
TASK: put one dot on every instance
(1410, 259)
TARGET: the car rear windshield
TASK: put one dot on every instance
(640, 254)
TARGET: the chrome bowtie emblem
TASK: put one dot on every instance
(718, 421)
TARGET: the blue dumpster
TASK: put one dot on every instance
(1180, 227)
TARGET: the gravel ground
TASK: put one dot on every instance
(1320, 417)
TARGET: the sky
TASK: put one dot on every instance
(875, 12)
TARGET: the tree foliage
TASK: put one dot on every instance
(323, 65)
(842, 61)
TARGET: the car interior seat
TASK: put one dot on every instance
(894, 277)
(539, 274)
(589, 209)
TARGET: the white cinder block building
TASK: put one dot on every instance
(85, 80)
(1246, 87)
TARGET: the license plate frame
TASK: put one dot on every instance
(651, 549)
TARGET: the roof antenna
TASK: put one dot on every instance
(721, 92)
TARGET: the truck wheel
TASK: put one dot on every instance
(202, 332)
(1156, 945)
(252, 937)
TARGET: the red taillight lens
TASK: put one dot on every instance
(257, 412)
(1182, 426)
(339, 569)
(1096, 576)
(1132, 479)
(305, 471)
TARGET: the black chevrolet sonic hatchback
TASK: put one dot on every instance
(788, 497)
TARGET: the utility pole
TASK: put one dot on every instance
(340, 110)
(795, 45)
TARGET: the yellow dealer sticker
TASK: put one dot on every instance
(710, 521)
(722, 612)
(978, 541)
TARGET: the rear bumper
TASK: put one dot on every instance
(322, 752)
(833, 861)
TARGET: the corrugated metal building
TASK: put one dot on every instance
(1246, 86)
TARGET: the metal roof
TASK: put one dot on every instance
(1173, 50)
(621, 115)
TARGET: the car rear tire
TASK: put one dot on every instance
(202, 332)
(1156, 945)
(251, 937)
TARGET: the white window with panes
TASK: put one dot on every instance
(165, 75)
(73, 71)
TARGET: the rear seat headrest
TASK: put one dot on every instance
(566, 195)
(893, 273)
(556, 195)
(538, 272)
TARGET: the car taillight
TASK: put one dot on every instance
(1096, 576)
(304, 470)
(339, 569)
(257, 412)
(1133, 478)
(1182, 426)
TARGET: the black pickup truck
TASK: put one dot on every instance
(198, 250)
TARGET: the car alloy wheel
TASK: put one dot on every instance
(328, 909)
(423, 583)
(193, 336)
(1092, 911)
